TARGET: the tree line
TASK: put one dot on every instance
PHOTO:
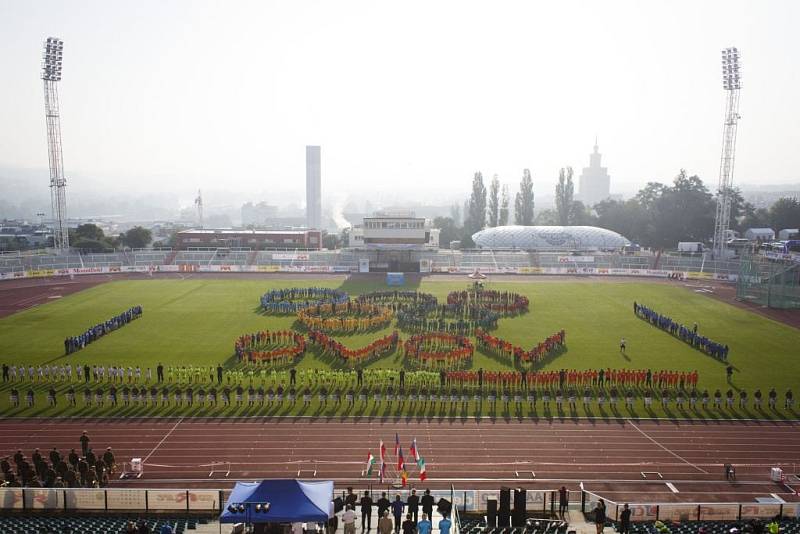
(659, 215)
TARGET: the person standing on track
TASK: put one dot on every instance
(625, 520)
(84, 439)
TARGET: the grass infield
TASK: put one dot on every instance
(194, 322)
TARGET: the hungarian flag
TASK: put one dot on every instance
(401, 463)
(396, 443)
(370, 463)
(422, 474)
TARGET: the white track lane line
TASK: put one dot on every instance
(672, 487)
(679, 457)
(162, 441)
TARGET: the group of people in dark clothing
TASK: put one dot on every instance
(411, 523)
(684, 333)
(76, 343)
(56, 470)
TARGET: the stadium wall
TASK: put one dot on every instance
(326, 269)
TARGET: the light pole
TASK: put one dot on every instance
(51, 75)
(731, 83)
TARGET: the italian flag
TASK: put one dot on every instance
(370, 463)
(422, 474)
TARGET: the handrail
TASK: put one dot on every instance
(456, 519)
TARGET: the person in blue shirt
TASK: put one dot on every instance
(444, 525)
(425, 526)
(397, 510)
(166, 529)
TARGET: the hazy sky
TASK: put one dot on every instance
(413, 95)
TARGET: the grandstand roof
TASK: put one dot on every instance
(549, 238)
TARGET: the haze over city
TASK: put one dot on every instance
(161, 99)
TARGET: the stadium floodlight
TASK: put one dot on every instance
(731, 83)
(52, 58)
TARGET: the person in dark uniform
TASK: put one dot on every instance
(359, 377)
(788, 401)
(563, 502)
(402, 384)
(413, 505)
(219, 374)
(351, 498)
(383, 504)
(292, 376)
(729, 372)
(480, 378)
(366, 512)
(625, 520)
(427, 503)
(84, 439)
(773, 398)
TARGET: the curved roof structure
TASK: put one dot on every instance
(549, 238)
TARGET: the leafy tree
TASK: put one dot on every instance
(580, 215)
(89, 231)
(758, 218)
(448, 231)
(785, 213)
(136, 237)
(547, 217)
(494, 201)
(476, 214)
(565, 191)
(628, 218)
(523, 202)
(455, 213)
(90, 245)
(502, 219)
(331, 241)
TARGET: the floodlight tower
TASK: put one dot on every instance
(731, 83)
(51, 75)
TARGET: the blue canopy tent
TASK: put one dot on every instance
(289, 501)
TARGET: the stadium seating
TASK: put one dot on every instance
(91, 525)
(787, 526)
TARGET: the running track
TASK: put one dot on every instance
(608, 457)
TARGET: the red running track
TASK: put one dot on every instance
(608, 457)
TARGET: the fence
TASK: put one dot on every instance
(692, 511)
(111, 500)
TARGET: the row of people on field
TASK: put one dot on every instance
(440, 347)
(252, 394)
(76, 343)
(682, 332)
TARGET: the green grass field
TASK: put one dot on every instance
(195, 322)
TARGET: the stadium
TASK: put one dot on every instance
(389, 354)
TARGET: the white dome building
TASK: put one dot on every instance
(549, 238)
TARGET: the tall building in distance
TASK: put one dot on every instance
(594, 183)
(313, 187)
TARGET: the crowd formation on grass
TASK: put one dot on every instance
(57, 470)
(518, 355)
(682, 332)
(76, 343)
(280, 347)
(293, 299)
(203, 387)
(354, 357)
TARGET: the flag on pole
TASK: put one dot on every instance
(404, 477)
(382, 474)
(401, 463)
(396, 443)
(370, 463)
(383, 452)
(422, 474)
(414, 450)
